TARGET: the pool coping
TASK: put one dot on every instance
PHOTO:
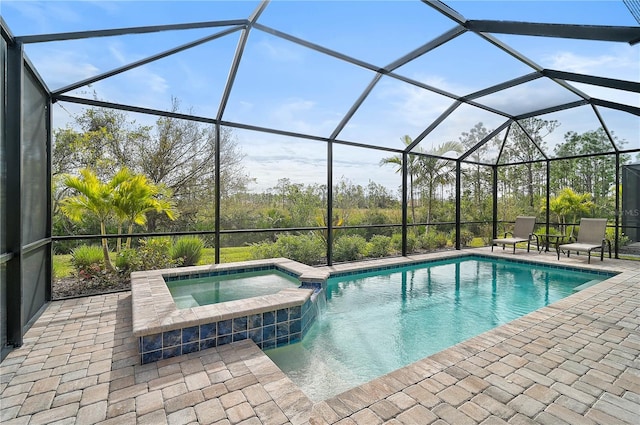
(154, 310)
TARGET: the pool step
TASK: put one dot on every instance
(587, 285)
(186, 301)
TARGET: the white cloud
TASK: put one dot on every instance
(62, 67)
(278, 51)
(622, 62)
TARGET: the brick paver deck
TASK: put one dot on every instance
(576, 361)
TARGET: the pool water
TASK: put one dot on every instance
(196, 292)
(375, 323)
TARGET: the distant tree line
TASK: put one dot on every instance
(176, 159)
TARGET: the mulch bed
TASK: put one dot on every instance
(72, 287)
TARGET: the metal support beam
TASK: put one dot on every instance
(405, 197)
(548, 198)
(13, 152)
(458, 201)
(43, 38)
(617, 208)
(216, 191)
(494, 175)
(619, 34)
(48, 295)
(142, 62)
(611, 83)
(329, 203)
(618, 106)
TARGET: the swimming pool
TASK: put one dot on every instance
(215, 289)
(380, 321)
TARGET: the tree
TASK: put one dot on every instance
(436, 170)
(135, 197)
(101, 141)
(412, 169)
(176, 154)
(594, 174)
(94, 198)
(180, 155)
(480, 178)
(570, 204)
(526, 140)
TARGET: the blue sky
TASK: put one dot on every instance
(285, 86)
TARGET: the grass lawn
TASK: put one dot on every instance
(62, 266)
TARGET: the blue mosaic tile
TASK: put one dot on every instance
(255, 321)
(208, 343)
(268, 345)
(282, 315)
(240, 336)
(222, 340)
(191, 347)
(268, 318)
(268, 332)
(172, 338)
(240, 324)
(282, 329)
(172, 352)
(295, 312)
(152, 356)
(190, 334)
(281, 342)
(295, 326)
(225, 327)
(151, 342)
(295, 337)
(208, 331)
(256, 335)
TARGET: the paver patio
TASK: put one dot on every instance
(576, 361)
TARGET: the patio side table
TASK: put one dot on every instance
(548, 239)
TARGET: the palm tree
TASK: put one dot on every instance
(93, 198)
(134, 195)
(412, 169)
(436, 170)
(569, 203)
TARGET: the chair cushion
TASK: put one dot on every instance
(579, 246)
(509, 240)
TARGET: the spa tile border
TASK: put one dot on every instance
(270, 329)
(164, 331)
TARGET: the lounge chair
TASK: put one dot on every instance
(591, 236)
(522, 232)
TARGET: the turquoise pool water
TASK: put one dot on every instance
(377, 322)
(189, 293)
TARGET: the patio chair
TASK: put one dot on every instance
(591, 236)
(522, 232)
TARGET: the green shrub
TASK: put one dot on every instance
(349, 248)
(466, 236)
(396, 242)
(87, 260)
(378, 246)
(151, 254)
(306, 248)
(611, 236)
(187, 250)
(433, 240)
(128, 261)
(265, 249)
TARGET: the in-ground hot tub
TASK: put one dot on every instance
(164, 330)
